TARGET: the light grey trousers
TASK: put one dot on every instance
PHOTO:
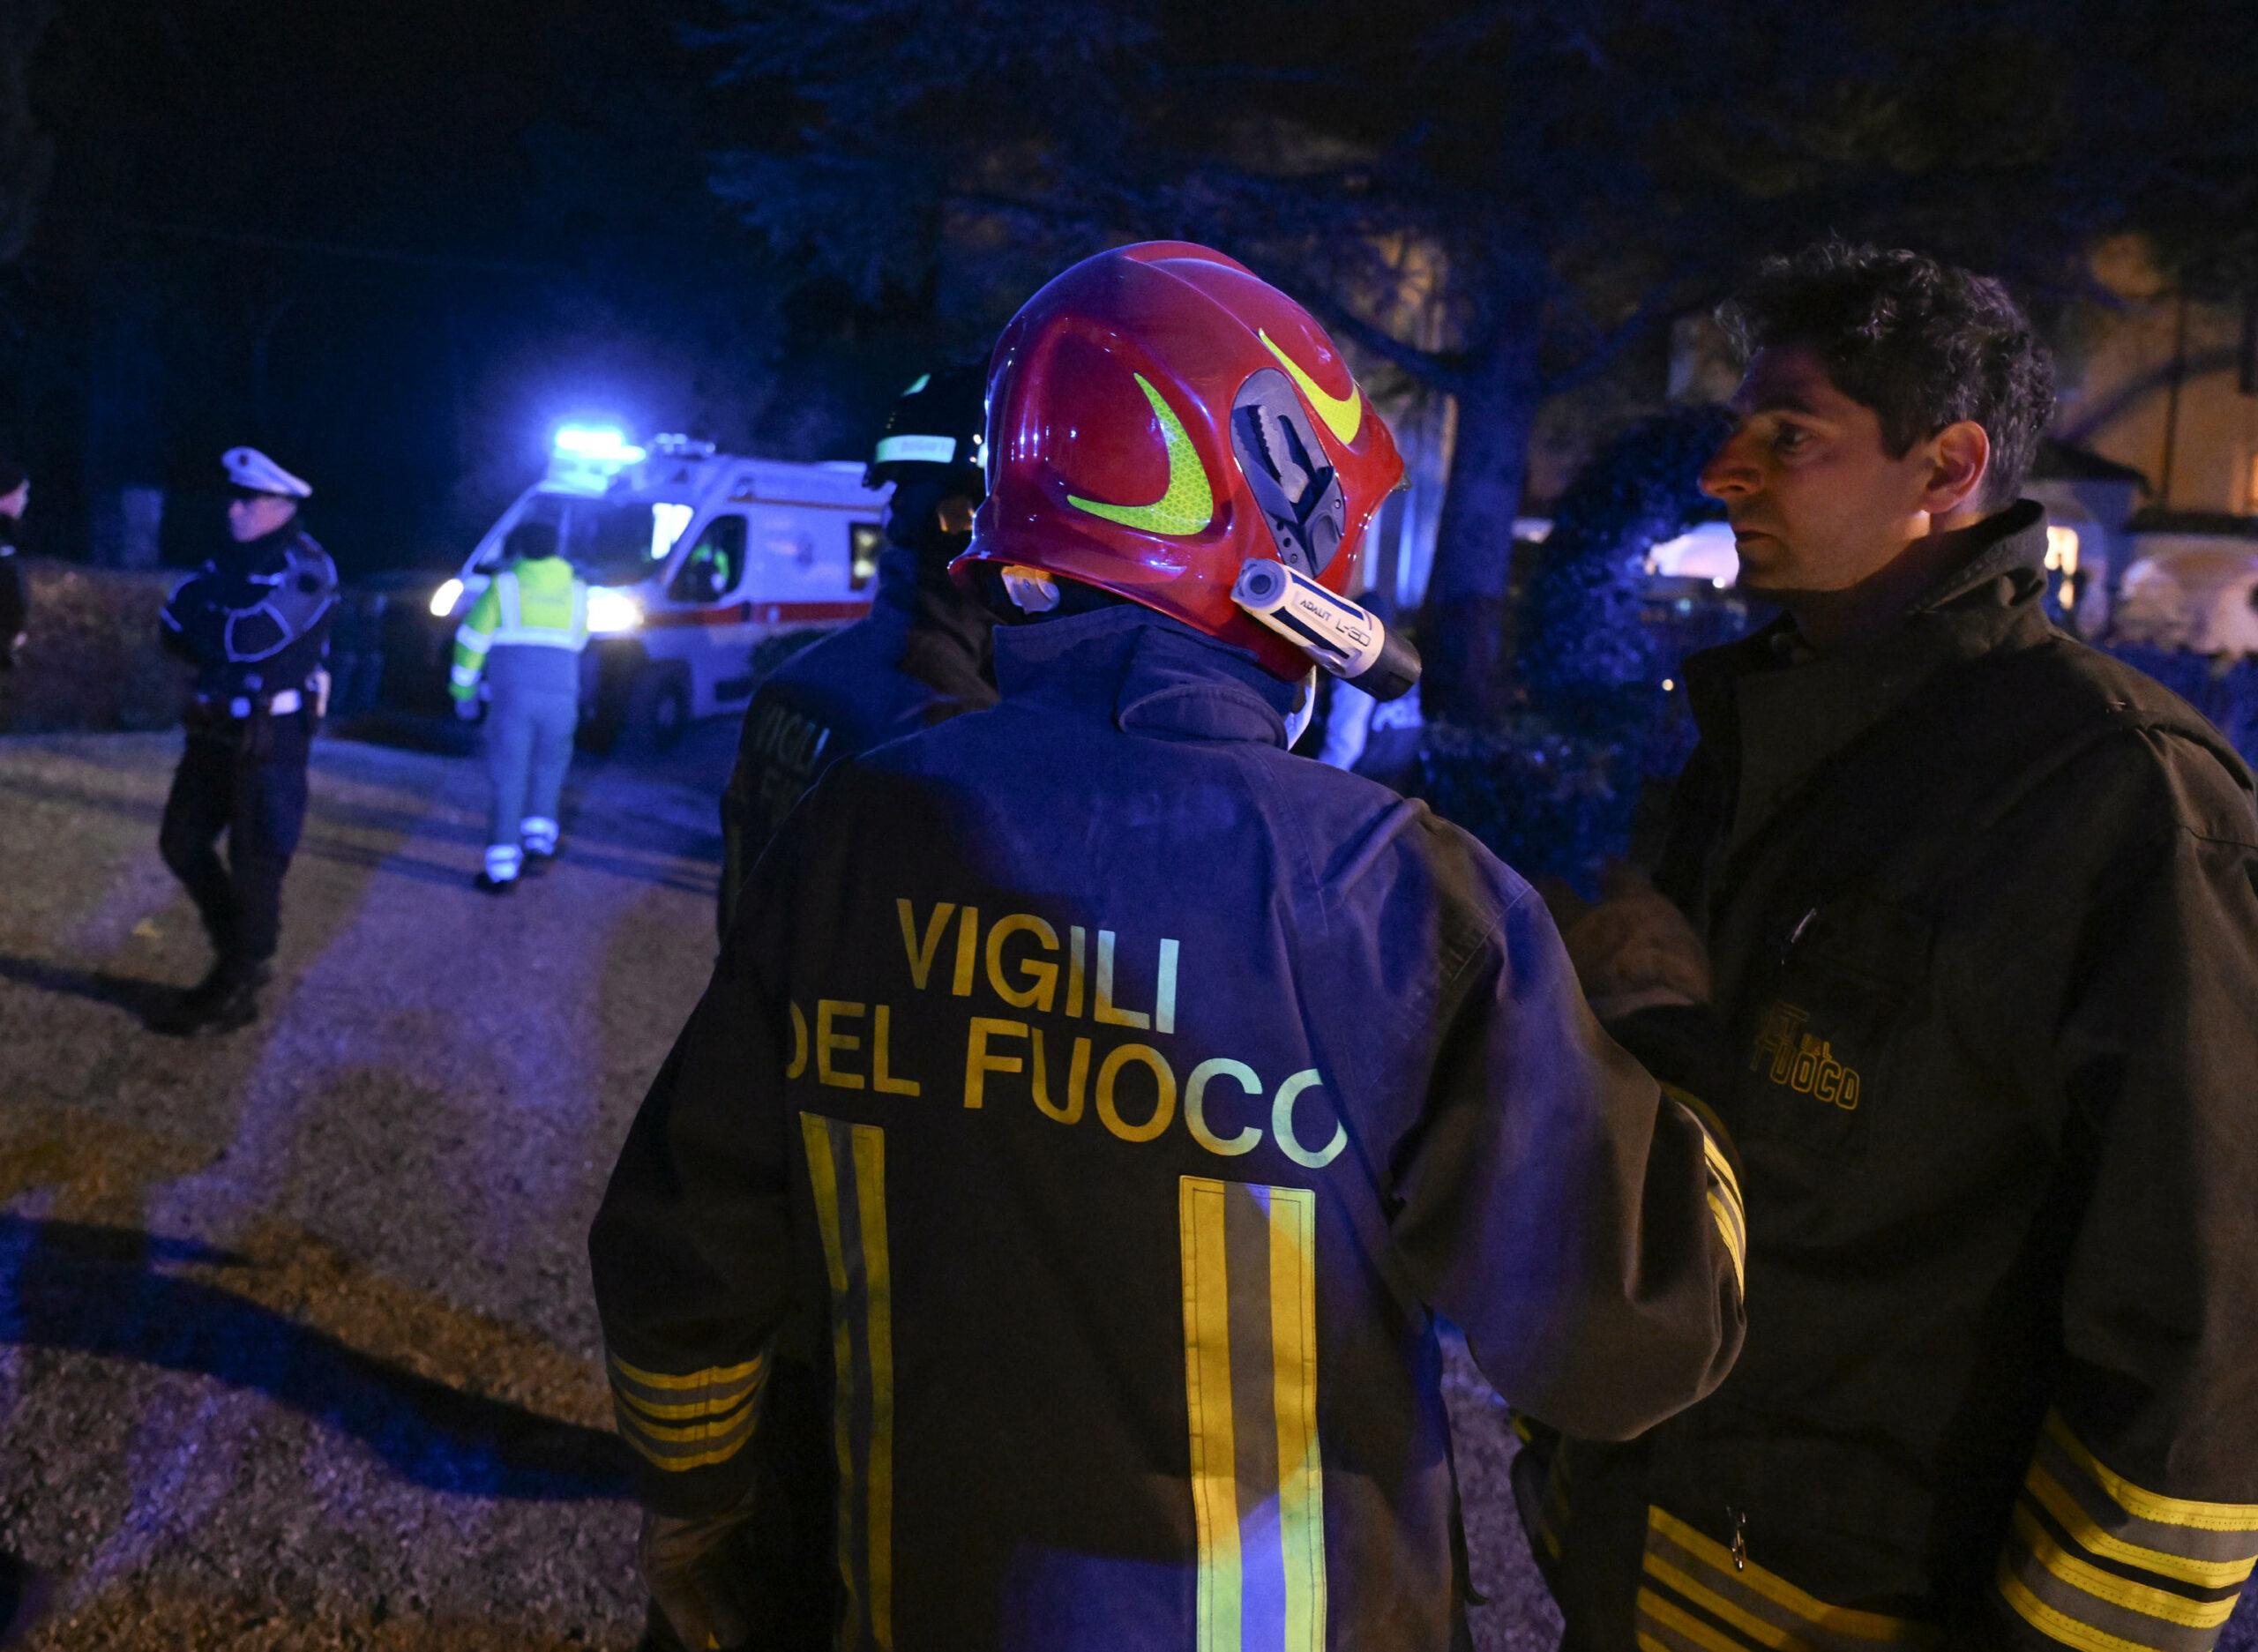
(528, 747)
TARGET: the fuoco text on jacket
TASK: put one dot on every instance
(1136, 1088)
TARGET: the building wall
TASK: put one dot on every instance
(2119, 361)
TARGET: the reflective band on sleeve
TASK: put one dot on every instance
(676, 1423)
(1726, 1209)
(2097, 1562)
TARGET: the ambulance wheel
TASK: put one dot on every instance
(658, 710)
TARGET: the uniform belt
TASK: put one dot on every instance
(242, 705)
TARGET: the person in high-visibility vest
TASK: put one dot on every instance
(524, 635)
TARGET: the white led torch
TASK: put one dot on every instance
(1348, 641)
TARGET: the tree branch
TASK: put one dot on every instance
(1427, 366)
(1664, 302)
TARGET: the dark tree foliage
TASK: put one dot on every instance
(393, 243)
(1582, 652)
(1494, 198)
(27, 154)
(1554, 785)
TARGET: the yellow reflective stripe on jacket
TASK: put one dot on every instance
(677, 1398)
(1727, 1209)
(1696, 1595)
(2155, 1505)
(473, 638)
(847, 1173)
(679, 1448)
(1250, 1358)
(2081, 1528)
(539, 605)
(683, 1420)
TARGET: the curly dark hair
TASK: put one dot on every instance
(1923, 344)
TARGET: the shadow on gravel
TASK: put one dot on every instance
(398, 863)
(139, 998)
(101, 1290)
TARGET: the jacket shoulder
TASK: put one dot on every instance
(305, 557)
(2148, 744)
(1374, 850)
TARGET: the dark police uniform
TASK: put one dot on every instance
(15, 599)
(918, 658)
(254, 621)
(1983, 909)
(1129, 1097)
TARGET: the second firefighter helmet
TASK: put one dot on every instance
(1159, 416)
(933, 432)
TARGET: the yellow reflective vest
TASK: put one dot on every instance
(537, 604)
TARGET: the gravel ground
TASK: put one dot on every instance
(296, 1349)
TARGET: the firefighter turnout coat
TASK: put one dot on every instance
(919, 657)
(1982, 909)
(1125, 1098)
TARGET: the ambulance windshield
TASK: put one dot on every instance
(611, 541)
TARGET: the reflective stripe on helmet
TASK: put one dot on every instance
(916, 450)
(1187, 504)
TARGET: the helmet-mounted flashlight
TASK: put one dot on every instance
(1344, 638)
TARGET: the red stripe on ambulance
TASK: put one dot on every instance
(756, 614)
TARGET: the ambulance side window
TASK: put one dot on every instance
(864, 541)
(716, 563)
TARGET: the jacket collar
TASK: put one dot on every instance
(245, 553)
(1771, 713)
(922, 594)
(1146, 673)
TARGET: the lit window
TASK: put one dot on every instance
(667, 523)
(2062, 558)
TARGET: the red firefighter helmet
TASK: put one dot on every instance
(1158, 416)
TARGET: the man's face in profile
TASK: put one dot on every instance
(1816, 501)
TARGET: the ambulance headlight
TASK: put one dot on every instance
(444, 598)
(612, 612)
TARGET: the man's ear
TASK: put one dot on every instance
(1960, 459)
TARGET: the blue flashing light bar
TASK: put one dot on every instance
(603, 444)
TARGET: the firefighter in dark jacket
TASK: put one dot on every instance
(254, 622)
(1981, 907)
(919, 658)
(1126, 1098)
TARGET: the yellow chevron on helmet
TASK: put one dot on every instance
(1186, 504)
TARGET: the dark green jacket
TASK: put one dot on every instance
(1982, 909)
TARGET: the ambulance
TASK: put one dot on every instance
(695, 559)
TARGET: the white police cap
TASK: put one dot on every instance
(248, 467)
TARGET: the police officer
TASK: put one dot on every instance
(1129, 1097)
(524, 635)
(254, 622)
(920, 657)
(1981, 906)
